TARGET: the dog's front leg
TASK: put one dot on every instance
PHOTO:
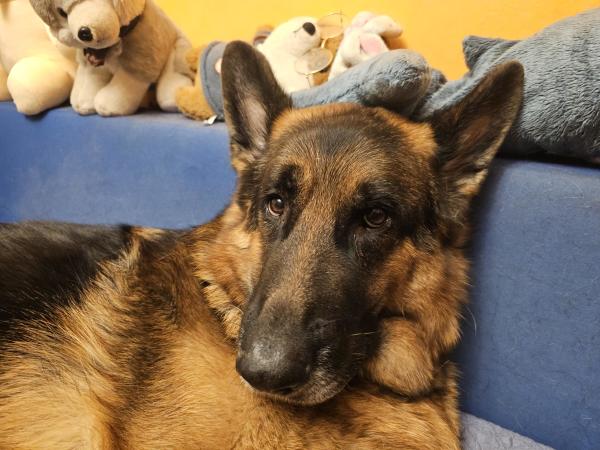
(122, 96)
(89, 80)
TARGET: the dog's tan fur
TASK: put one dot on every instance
(71, 391)
(112, 372)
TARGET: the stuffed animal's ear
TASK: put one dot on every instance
(384, 26)
(372, 44)
(127, 10)
(470, 132)
(46, 10)
(252, 101)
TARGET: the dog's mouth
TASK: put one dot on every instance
(322, 386)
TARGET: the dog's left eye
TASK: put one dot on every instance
(276, 206)
(62, 12)
(375, 218)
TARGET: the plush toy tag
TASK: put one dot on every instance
(211, 120)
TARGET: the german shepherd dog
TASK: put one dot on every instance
(317, 311)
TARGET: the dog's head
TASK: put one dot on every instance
(340, 202)
(88, 23)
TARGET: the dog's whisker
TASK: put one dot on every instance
(473, 319)
(363, 334)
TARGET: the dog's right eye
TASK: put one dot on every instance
(276, 206)
(375, 218)
(62, 13)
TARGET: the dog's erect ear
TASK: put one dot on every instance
(470, 133)
(127, 10)
(47, 11)
(252, 100)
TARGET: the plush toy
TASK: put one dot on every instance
(205, 62)
(36, 72)
(282, 47)
(203, 101)
(364, 39)
(400, 80)
(124, 46)
(285, 44)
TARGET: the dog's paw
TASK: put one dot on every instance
(108, 103)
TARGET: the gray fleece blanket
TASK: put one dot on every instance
(399, 80)
(561, 106)
(478, 434)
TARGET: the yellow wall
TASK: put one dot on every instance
(435, 28)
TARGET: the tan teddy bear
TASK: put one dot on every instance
(123, 47)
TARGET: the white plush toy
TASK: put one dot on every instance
(363, 39)
(286, 43)
(36, 72)
(124, 46)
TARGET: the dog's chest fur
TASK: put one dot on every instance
(134, 358)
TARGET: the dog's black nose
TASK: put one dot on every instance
(272, 369)
(85, 34)
(309, 28)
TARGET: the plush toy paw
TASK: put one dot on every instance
(177, 74)
(37, 84)
(170, 84)
(192, 103)
(88, 82)
(122, 96)
(109, 103)
(82, 105)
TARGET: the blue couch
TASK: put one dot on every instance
(530, 355)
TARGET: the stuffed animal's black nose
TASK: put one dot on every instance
(85, 34)
(309, 28)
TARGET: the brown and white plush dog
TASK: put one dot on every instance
(317, 311)
(124, 47)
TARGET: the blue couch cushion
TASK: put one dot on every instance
(530, 353)
(531, 350)
(151, 169)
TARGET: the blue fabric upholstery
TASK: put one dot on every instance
(151, 169)
(532, 362)
(530, 353)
